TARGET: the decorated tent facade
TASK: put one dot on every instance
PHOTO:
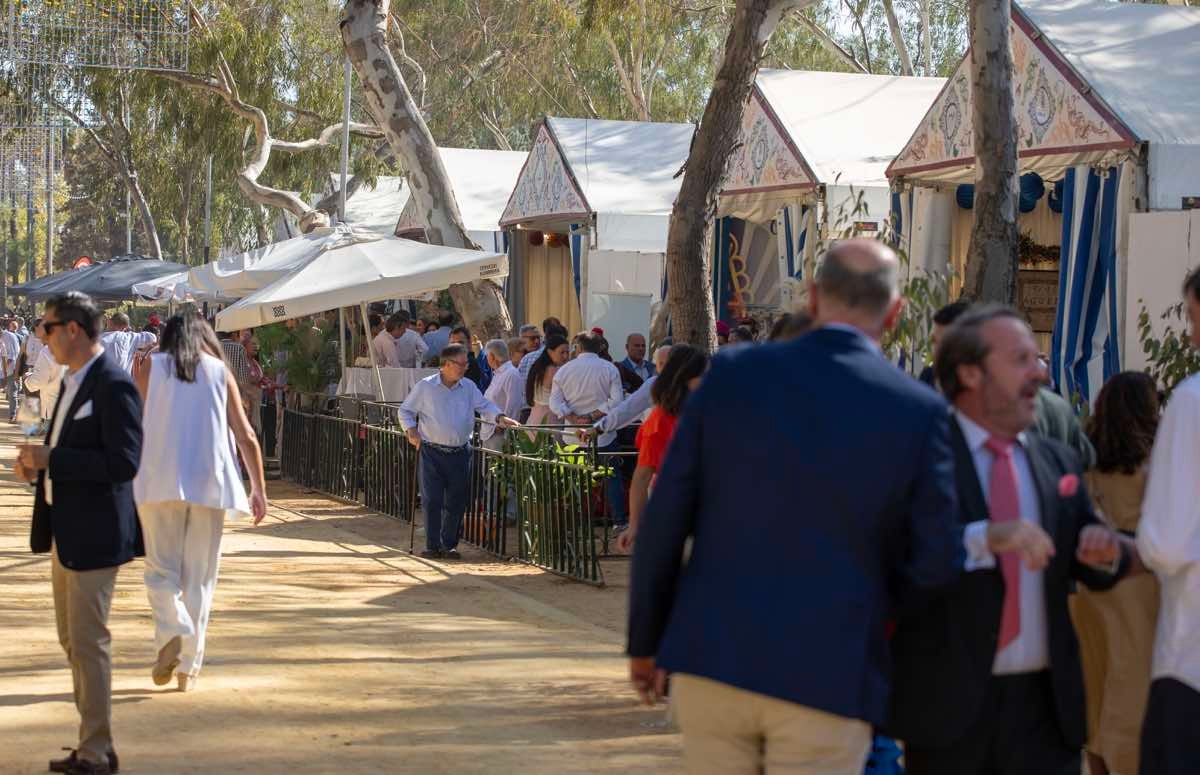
(587, 221)
(1108, 125)
(812, 161)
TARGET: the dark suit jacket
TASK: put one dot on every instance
(943, 652)
(93, 521)
(816, 481)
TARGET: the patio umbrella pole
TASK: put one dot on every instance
(371, 350)
(342, 339)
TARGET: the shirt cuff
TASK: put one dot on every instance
(975, 543)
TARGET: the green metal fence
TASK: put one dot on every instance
(541, 502)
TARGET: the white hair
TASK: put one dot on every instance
(498, 348)
(661, 355)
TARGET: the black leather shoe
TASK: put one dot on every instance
(64, 765)
(451, 554)
(431, 554)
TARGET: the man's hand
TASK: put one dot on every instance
(625, 540)
(34, 457)
(476, 345)
(503, 422)
(648, 681)
(1098, 546)
(414, 438)
(23, 473)
(1029, 541)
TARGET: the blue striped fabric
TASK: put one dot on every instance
(577, 259)
(1084, 347)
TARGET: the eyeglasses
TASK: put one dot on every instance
(460, 364)
(50, 325)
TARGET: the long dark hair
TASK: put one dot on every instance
(670, 390)
(1123, 425)
(186, 337)
(543, 362)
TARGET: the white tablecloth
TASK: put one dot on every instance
(396, 382)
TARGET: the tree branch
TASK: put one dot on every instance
(906, 65)
(831, 45)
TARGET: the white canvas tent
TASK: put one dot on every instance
(481, 179)
(241, 275)
(813, 154)
(605, 189)
(175, 288)
(359, 272)
(1108, 114)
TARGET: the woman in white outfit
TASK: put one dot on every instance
(46, 377)
(188, 483)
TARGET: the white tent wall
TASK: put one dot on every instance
(842, 201)
(1174, 174)
(927, 232)
(1164, 246)
(614, 271)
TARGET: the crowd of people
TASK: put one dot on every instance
(955, 565)
(948, 569)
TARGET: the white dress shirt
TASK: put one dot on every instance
(443, 415)
(635, 407)
(384, 345)
(507, 391)
(123, 345)
(1169, 535)
(411, 349)
(1031, 649)
(10, 348)
(33, 347)
(46, 378)
(585, 385)
(71, 385)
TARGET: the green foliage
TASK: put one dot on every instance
(911, 340)
(1171, 357)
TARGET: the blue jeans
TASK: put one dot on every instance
(615, 484)
(445, 481)
(10, 393)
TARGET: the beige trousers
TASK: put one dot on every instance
(81, 603)
(183, 554)
(732, 731)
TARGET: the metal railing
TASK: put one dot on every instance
(540, 501)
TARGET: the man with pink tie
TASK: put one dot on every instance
(986, 673)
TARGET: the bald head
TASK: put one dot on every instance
(660, 357)
(858, 284)
(860, 274)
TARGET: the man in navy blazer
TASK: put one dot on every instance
(816, 482)
(84, 512)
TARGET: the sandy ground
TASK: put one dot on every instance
(332, 650)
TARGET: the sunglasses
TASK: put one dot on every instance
(50, 325)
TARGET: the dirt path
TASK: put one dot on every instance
(331, 650)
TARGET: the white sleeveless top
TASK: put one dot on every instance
(187, 447)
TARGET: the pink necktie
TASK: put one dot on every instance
(1005, 506)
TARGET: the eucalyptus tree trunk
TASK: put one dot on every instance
(364, 33)
(689, 238)
(991, 273)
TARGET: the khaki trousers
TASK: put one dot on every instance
(81, 603)
(732, 731)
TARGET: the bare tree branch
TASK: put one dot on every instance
(414, 65)
(906, 66)
(831, 45)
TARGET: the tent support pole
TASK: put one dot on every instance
(371, 350)
(342, 339)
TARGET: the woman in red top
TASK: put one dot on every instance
(680, 376)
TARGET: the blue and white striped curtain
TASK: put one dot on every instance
(1086, 330)
(577, 235)
(792, 229)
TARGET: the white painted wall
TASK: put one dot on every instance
(610, 271)
(1163, 246)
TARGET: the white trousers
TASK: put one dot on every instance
(183, 550)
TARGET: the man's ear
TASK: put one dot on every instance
(970, 375)
(892, 316)
(814, 300)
